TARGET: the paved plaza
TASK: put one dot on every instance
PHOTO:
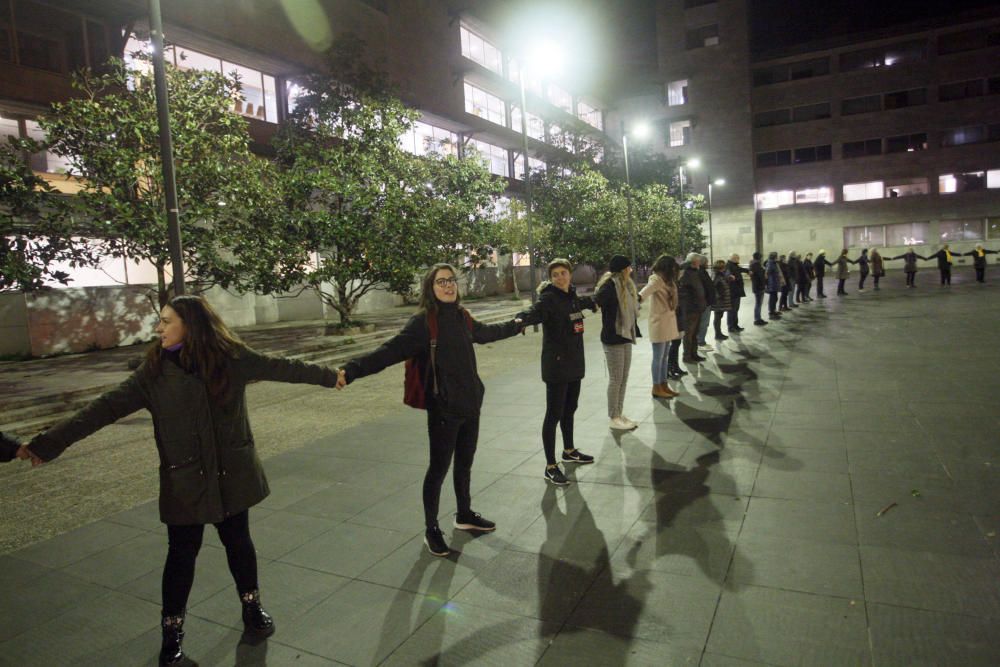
(823, 492)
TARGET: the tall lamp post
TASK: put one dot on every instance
(693, 163)
(640, 131)
(719, 182)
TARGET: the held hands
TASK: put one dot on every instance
(26, 454)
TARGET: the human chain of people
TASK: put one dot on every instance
(194, 376)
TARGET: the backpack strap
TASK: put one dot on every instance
(432, 325)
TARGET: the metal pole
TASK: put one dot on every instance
(680, 182)
(166, 147)
(527, 184)
(628, 198)
(711, 258)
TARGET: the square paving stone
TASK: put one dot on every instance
(120, 564)
(913, 526)
(467, 635)
(903, 636)
(697, 509)
(145, 516)
(347, 549)
(801, 519)
(276, 533)
(211, 575)
(678, 549)
(806, 438)
(35, 595)
(360, 624)
(77, 544)
(578, 646)
(341, 501)
(789, 628)
(412, 568)
(797, 565)
(805, 460)
(819, 486)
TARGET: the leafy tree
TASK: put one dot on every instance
(109, 134)
(373, 213)
(35, 225)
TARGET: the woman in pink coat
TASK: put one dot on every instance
(664, 330)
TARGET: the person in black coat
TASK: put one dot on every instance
(786, 284)
(865, 268)
(693, 305)
(10, 448)
(710, 297)
(978, 256)
(806, 275)
(794, 269)
(758, 282)
(737, 291)
(453, 391)
(944, 258)
(819, 267)
(910, 258)
(560, 312)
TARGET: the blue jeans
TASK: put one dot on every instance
(758, 302)
(703, 326)
(660, 362)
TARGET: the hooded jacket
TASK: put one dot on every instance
(691, 291)
(561, 316)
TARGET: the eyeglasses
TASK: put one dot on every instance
(445, 282)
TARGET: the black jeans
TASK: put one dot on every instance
(758, 301)
(861, 283)
(672, 352)
(946, 275)
(783, 301)
(719, 315)
(733, 318)
(819, 286)
(840, 286)
(980, 274)
(561, 399)
(772, 302)
(450, 437)
(692, 320)
(911, 278)
(184, 544)
(875, 278)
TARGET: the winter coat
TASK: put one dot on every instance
(979, 261)
(806, 272)
(692, 292)
(758, 279)
(864, 263)
(607, 299)
(773, 275)
(561, 316)
(664, 309)
(460, 391)
(209, 468)
(878, 265)
(706, 280)
(786, 274)
(819, 266)
(942, 258)
(736, 288)
(909, 261)
(794, 267)
(843, 270)
(723, 298)
(8, 448)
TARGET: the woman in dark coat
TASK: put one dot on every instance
(863, 262)
(758, 281)
(978, 256)
(452, 389)
(878, 267)
(560, 312)
(619, 301)
(786, 284)
(806, 275)
(193, 381)
(723, 300)
(774, 279)
(843, 271)
(819, 266)
(910, 258)
(944, 258)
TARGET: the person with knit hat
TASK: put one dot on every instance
(619, 301)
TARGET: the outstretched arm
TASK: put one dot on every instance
(257, 366)
(487, 333)
(413, 340)
(108, 408)
(538, 311)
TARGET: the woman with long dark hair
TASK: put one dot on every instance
(193, 381)
(619, 301)
(560, 312)
(440, 338)
(664, 323)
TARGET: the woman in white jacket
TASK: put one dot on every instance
(664, 330)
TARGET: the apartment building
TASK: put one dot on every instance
(886, 140)
(446, 58)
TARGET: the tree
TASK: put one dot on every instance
(109, 134)
(373, 213)
(35, 225)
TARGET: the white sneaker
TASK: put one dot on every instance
(628, 421)
(706, 348)
(619, 424)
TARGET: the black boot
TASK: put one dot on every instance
(171, 652)
(255, 620)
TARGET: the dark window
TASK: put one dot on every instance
(856, 60)
(906, 98)
(967, 40)
(811, 112)
(959, 136)
(993, 85)
(862, 148)
(860, 105)
(49, 38)
(769, 118)
(960, 90)
(704, 36)
(809, 68)
(5, 43)
(765, 77)
(97, 44)
(993, 132)
(884, 56)
(688, 4)
(906, 143)
(774, 159)
(824, 153)
(812, 154)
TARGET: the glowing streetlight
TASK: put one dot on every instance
(640, 131)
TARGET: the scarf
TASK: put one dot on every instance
(947, 255)
(628, 306)
(980, 252)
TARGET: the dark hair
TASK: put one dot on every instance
(428, 303)
(720, 265)
(666, 267)
(208, 346)
(557, 262)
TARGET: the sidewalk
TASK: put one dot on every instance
(738, 525)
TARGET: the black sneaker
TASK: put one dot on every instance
(576, 456)
(434, 539)
(473, 521)
(556, 476)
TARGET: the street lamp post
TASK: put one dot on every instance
(720, 182)
(527, 184)
(639, 131)
(693, 163)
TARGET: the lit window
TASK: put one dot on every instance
(907, 234)
(959, 136)
(993, 178)
(906, 187)
(677, 93)
(531, 83)
(966, 182)
(859, 191)
(864, 237)
(493, 157)
(479, 50)
(535, 164)
(423, 139)
(560, 98)
(480, 103)
(814, 196)
(907, 143)
(46, 161)
(536, 126)
(950, 231)
(590, 115)
(775, 199)
(680, 133)
(561, 138)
